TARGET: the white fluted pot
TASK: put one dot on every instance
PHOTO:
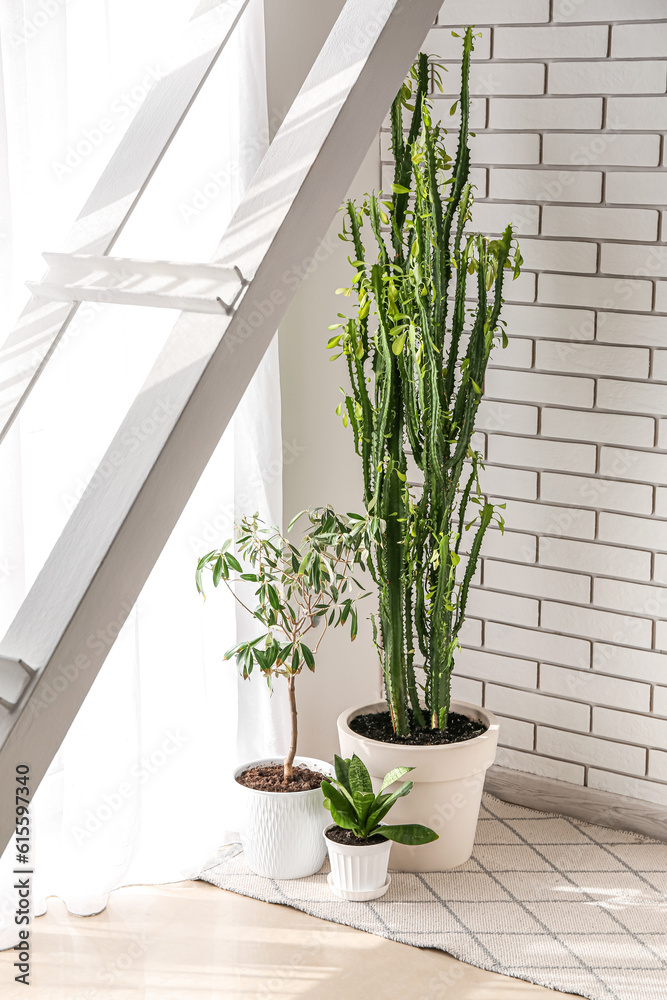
(448, 783)
(281, 832)
(358, 871)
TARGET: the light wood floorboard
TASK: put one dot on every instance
(192, 941)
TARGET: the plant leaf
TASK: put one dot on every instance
(381, 811)
(363, 803)
(399, 344)
(343, 819)
(308, 656)
(393, 776)
(342, 767)
(338, 801)
(408, 833)
(204, 559)
(360, 779)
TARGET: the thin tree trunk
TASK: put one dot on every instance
(289, 759)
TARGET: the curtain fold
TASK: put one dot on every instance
(141, 789)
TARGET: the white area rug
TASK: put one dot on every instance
(573, 907)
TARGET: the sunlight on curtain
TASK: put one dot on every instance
(141, 789)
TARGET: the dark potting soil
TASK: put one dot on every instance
(341, 836)
(377, 726)
(269, 778)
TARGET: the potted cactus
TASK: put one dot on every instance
(358, 841)
(301, 592)
(427, 317)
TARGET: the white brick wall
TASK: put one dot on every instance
(550, 42)
(591, 359)
(542, 517)
(614, 10)
(657, 764)
(634, 40)
(529, 387)
(527, 185)
(640, 113)
(605, 150)
(613, 77)
(626, 258)
(599, 223)
(661, 286)
(570, 607)
(549, 112)
(624, 328)
(631, 397)
(583, 425)
(536, 453)
(652, 534)
(536, 707)
(586, 684)
(594, 558)
(564, 289)
(637, 187)
(564, 255)
(632, 497)
(588, 750)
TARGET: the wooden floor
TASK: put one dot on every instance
(192, 941)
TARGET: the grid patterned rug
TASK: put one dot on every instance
(551, 900)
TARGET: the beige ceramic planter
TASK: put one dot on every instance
(448, 782)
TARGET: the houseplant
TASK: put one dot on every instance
(301, 592)
(358, 842)
(417, 356)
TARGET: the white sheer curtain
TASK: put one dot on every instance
(141, 790)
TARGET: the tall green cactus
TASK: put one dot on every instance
(417, 356)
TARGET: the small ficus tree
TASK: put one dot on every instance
(301, 592)
(416, 355)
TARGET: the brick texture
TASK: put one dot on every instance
(569, 605)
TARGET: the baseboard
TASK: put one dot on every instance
(620, 812)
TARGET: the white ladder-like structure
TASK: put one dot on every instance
(116, 533)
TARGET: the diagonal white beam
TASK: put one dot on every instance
(114, 197)
(69, 619)
(14, 678)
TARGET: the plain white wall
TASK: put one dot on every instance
(320, 464)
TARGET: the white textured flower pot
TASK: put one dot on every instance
(281, 832)
(358, 871)
(448, 782)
